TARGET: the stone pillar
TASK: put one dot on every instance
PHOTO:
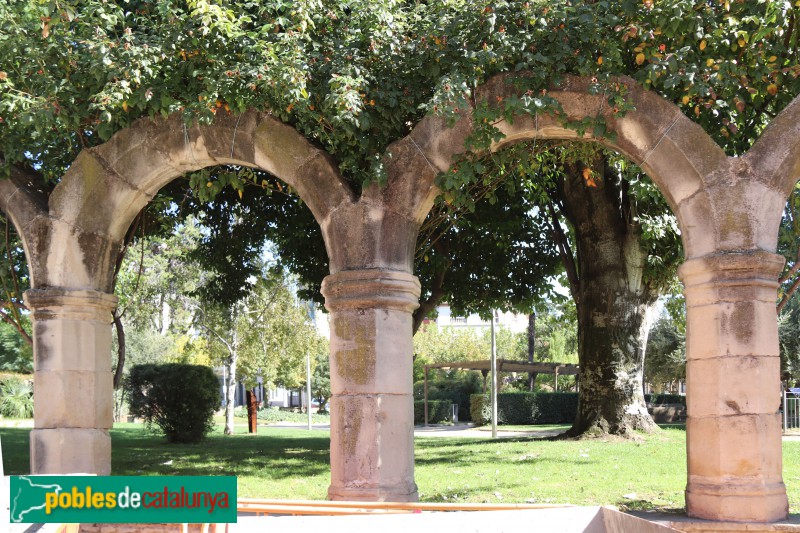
(73, 400)
(733, 388)
(372, 410)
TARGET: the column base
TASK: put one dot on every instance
(374, 494)
(733, 502)
(70, 451)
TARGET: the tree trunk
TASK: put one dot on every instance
(614, 303)
(231, 391)
(531, 348)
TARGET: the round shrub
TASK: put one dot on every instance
(180, 399)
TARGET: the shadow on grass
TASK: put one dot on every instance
(274, 455)
(16, 450)
(136, 452)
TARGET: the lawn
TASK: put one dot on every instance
(293, 463)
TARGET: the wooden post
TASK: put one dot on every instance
(252, 411)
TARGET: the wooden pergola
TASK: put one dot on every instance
(503, 365)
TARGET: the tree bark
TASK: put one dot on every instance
(231, 391)
(118, 372)
(614, 303)
(531, 348)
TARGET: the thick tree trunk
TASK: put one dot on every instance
(531, 348)
(613, 301)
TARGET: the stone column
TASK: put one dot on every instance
(73, 404)
(372, 423)
(733, 388)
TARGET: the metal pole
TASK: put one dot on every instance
(494, 379)
(308, 388)
(426, 395)
(785, 409)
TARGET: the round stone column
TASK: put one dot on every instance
(372, 409)
(733, 388)
(73, 383)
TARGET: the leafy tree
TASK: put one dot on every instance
(16, 355)
(355, 76)
(666, 354)
(321, 381)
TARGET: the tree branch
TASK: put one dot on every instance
(788, 295)
(792, 270)
(4, 316)
(120, 350)
(565, 252)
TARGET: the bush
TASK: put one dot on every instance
(665, 399)
(526, 408)
(16, 396)
(180, 399)
(456, 389)
(438, 411)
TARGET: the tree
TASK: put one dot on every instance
(665, 364)
(321, 381)
(355, 76)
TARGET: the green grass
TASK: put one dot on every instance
(293, 463)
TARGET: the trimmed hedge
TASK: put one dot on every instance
(665, 399)
(526, 407)
(456, 389)
(180, 399)
(438, 411)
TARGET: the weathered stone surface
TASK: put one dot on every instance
(95, 199)
(372, 424)
(729, 386)
(72, 366)
(734, 465)
(70, 451)
(74, 399)
(775, 156)
(733, 387)
(372, 443)
(410, 188)
(370, 236)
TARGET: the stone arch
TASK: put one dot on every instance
(775, 156)
(675, 152)
(728, 210)
(95, 202)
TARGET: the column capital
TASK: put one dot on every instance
(368, 289)
(731, 277)
(70, 304)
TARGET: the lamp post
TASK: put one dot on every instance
(494, 378)
(308, 388)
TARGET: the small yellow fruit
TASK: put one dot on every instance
(709, 62)
(639, 58)
(600, 60)
(686, 100)
(772, 89)
(703, 45)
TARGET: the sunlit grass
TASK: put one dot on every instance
(293, 463)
